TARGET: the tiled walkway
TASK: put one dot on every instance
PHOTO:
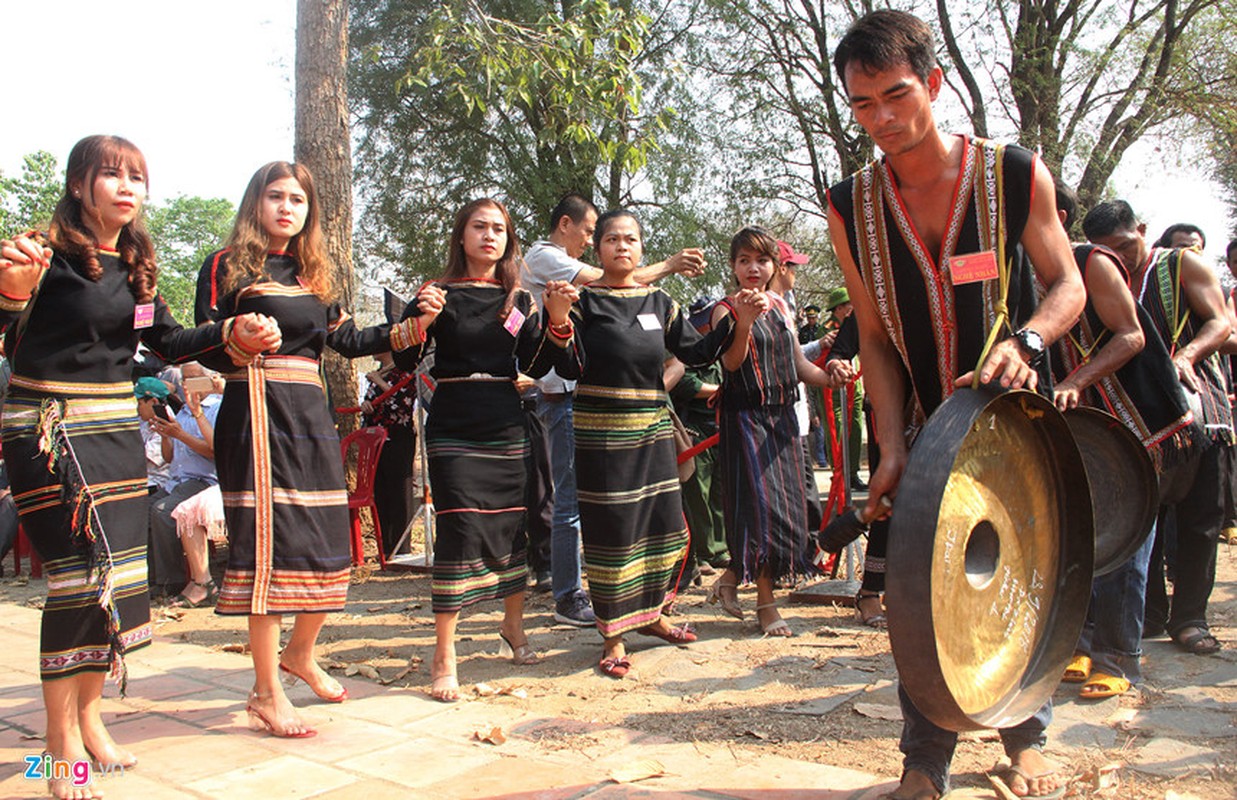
(185, 718)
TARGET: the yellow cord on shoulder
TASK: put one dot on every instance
(1003, 272)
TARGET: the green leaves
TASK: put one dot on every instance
(185, 231)
(28, 200)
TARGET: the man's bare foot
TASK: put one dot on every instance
(914, 786)
(1031, 775)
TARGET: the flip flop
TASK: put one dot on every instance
(1012, 771)
(1200, 643)
(1079, 669)
(877, 620)
(1103, 685)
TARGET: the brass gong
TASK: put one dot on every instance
(1124, 491)
(990, 557)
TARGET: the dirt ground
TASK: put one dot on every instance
(386, 635)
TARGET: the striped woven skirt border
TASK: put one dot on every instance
(97, 605)
(479, 462)
(284, 497)
(631, 516)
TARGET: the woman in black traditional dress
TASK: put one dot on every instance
(70, 430)
(276, 448)
(760, 455)
(631, 517)
(483, 327)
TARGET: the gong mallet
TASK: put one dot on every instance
(846, 528)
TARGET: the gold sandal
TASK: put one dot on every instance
(727, 594)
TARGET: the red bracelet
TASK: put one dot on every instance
(568, 331)
(15, 297)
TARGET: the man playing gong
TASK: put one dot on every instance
(918, 233)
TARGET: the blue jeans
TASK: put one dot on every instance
(565, 532)
(1112, 636)
(930, 749)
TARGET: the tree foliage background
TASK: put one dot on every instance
(707, 114)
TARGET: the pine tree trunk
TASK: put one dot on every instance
(323, 144)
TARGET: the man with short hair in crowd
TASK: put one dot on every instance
(1114, 360)
(1183, 234)
(189, 447)
(1185, 302)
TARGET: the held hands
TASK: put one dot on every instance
(689, 263)
(430, 301)
(22, 261)
(840, 372)
(557, 300)
(1005, 365)
(258, 333)
(748, 305)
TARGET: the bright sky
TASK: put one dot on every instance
(206, 91)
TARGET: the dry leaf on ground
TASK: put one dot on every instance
(493, 736)
(637, 771)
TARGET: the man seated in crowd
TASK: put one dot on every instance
(189, 447)
(152, 394)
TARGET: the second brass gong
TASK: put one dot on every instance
(990, 559)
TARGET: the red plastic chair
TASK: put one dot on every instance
(369, 443)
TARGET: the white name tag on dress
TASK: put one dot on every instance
(649, 322)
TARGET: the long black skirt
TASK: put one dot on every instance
(479, 463)
(83, 504)
(284, 497)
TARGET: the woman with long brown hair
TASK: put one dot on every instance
(70, 429)
(484, 329)
(276, 448)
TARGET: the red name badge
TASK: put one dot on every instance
(143, 316)
(972, 267)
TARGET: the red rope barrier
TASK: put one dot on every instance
(380, 399)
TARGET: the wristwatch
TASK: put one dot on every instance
(1032, 344)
